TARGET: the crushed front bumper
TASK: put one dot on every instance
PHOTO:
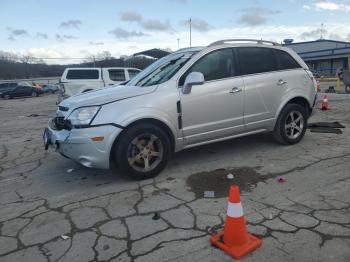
(77, 144)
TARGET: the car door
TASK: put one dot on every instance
(214, 109)
(18, 91)
(264, 86)
(27, 90)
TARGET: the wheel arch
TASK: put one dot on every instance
(300, 100)
(148, 120)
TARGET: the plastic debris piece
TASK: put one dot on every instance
(64, 237)
(270, 216)
(156, 216)
(209, 194)
(230, 176)
(70, 170)
(281, 180)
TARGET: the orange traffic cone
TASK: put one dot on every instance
(325, 105)
(235, 240)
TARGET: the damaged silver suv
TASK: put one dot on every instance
(191, 97)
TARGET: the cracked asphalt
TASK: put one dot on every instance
(105, 217)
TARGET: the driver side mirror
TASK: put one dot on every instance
(194, 78)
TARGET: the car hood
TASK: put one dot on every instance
(105, 95)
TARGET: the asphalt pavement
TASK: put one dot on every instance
(295, 198)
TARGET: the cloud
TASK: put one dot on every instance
(326, 5)
(197, 24)
(124, 34)
(41, 35)
(131, 16)
(148, 24)
(75, 24)
(19, 32)
(44, 53)
(313, 34)
(14, 33)
(95, 43)
(62, 38)
(156, 25)
(255, 16)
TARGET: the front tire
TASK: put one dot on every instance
(291, 124)
(142, 151)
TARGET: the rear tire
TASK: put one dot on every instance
(291, 124)
(142, 151)
(347, 89)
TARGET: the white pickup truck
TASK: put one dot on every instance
(79, 80)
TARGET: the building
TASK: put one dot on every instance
(323, 56)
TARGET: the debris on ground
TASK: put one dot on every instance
(209, 194)
(281, 180)
(70, 170)
(335, 124)
(326, 130)
(64, 237)
(156, 216)
(230, 176)
(35, 115)
(270, 216)
(326, 127)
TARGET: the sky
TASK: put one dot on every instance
(70, 30)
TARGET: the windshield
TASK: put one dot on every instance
(161, 70)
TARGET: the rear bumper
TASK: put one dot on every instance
(76, 144)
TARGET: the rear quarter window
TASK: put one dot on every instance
(83, 74)
(285, 61)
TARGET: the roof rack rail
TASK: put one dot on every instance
(244, 40)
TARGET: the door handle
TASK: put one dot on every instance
(281, 82)
(235, 90)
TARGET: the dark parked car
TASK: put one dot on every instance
(7, 86)
(11, 90)
(50, 88)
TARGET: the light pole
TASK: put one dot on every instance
(190, 32)
(178, 43)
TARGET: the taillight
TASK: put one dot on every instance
(314, 81)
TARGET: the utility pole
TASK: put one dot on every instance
(321, 31)
(190, 32)
(178, 43)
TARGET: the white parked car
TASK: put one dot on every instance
(79, 80)
(189, 98)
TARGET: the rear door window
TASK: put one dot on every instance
(255, 60)
(117, 75)
(83, 74)
(285, 61)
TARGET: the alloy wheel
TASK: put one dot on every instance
(145, 152)
(294, 124)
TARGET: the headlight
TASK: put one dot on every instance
(83, 116)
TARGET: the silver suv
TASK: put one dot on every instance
(191, 97)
